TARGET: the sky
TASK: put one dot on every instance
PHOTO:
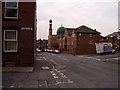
(101, 15)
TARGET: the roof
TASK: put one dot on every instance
(83, 29)
(70, 30)
(114, 34)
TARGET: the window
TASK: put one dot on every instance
(73, 35)
(90, 35)
(11, 9)
(79, 34)
(10, 41)
(90, 42)
(72, 43)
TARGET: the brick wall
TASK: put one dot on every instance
(82, 43)
(26, 38)
(86, 43)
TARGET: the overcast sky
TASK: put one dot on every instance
(101, 15)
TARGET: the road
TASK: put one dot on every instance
(84, 71)
(66, 71)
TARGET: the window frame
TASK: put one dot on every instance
(16, 8)
(11, 40)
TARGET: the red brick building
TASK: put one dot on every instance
(114, 38)
(18, 32)
(79, 40)
(42, 44)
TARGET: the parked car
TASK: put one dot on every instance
(113, 51)
(38, 50)
(45, 50)
(48, 50)
(42, 50)
(57, 52)
(52, 51)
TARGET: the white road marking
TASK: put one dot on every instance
(55, 69)
(44, 58)
(60, 74)
(59, 82)
(53, 74)
(91, 58)
(64, 76)
(45, 68)
(55, 77)
(61, 71)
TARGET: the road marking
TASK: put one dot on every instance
(59, 83)
(64, 76)
(61, 73)
(44, 58)
(55, 69)
(62, 70)
(91, 57)
(45, 68)
(55, 77)
(57, 74)
(51, 72)
(54, 74)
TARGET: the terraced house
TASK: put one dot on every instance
(18, 32)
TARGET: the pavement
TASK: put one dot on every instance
(38, 76)
(17, 69)
(40, 63)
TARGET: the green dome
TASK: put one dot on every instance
(60, 30)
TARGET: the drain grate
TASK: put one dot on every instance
(42, 84)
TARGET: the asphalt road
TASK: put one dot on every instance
(66, 71)
(84, 71)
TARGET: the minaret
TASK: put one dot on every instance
(50, 35)
(50, 27)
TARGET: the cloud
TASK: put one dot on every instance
(102, 16)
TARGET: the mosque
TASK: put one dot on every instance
(80, 40)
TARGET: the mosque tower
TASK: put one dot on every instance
(50, 35)
(50, 27)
